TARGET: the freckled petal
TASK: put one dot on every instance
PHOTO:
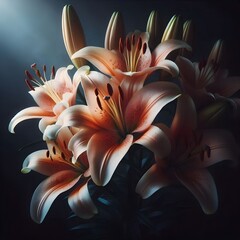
(78, 143)
(187, 71)
(146, 104)
(48, 191)
(105, 60)
(81, 203)
(164, 48)
(39, 162)
(202, 186)
(105, 151)
(155, 140)
(25, 114)
(77, 116)
(154, 179)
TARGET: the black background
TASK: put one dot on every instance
(30, 31)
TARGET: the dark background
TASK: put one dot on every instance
(30, 31)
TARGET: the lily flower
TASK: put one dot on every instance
(205, 81)
(109, 126)
(133, 57)
(52, 96)
(191, 153)
(64, 172)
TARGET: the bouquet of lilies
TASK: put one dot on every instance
(116, 104)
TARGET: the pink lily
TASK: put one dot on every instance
(109, 126)
(205, 82)
(190, 156)
(52, 97)
(133, 58)
(63, 172)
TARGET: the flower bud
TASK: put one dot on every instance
(153, 28)
(215, 54)
(172, 30)
(114, 32)
(73, 35)
(187, 36)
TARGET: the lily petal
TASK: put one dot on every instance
(46, 121)
(154, 179)
(78, 143)
(104, 59)
(185, 119)
(202, 186)
(147, 103)
(27, 113)
(105, 151)
(156, 141)
(41, 163)
(81, 203)
(48, 190)
(187, 71)
(164, 48)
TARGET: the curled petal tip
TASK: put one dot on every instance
(73, 35)
(115, 31)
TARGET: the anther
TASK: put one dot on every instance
(44, 68)
(34, 65)
(99, 103)
(53, 72)
(54, 150)
(121, 47)
(139, 44)
(96, 92)
(29, 75)
(133, 39)
(110, 89)
(63, 156)
(106, 98)
(121, 92)
(144, 48)
(29, 85)
(128, 44)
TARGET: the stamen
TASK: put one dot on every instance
(110, 89)
(29, 75)
(99, 103)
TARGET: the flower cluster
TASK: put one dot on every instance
(137, 76)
